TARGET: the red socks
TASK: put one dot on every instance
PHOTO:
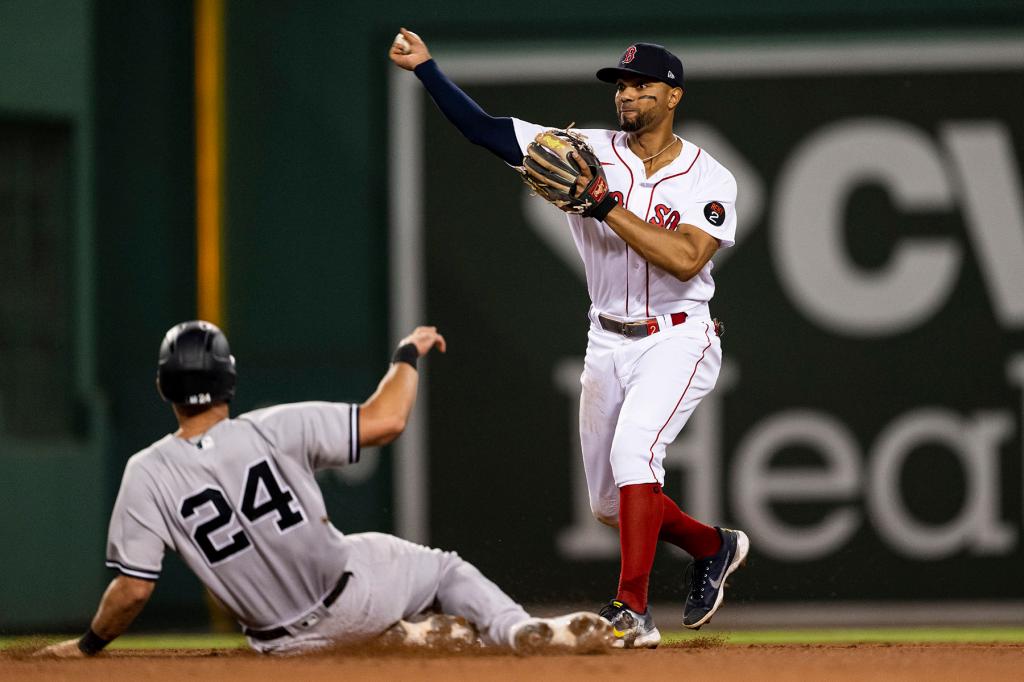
(646, 516)
(685, 532)
(640, 512)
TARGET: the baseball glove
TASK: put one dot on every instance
(550, 169)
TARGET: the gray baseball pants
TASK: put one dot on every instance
(393, 579)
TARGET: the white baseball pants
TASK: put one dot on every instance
(637, 395)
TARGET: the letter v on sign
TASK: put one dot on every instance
(989, 179)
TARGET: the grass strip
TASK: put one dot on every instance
(170, 641)
(853, 636)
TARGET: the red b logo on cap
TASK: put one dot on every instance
(630, 54)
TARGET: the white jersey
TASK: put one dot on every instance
(694, 189)
(242, 508)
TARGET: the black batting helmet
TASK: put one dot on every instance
(196, 366)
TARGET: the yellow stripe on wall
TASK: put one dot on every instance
(209, 70)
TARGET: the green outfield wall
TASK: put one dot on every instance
(53, 411)
(867, 428)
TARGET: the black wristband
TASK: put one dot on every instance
(407, 353)
(601, 209)
(91, 644)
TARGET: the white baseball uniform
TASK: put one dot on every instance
(241, 506)
(638, 393)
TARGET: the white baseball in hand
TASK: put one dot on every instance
(402, 44)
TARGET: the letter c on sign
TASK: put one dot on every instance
(808, 231)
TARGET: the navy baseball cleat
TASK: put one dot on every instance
(631, 630)
(707, 587)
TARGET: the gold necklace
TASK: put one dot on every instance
(675, 139)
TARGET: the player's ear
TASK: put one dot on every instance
(675, 96)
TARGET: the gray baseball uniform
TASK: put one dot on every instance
(241, 506)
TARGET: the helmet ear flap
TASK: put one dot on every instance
(196, 366)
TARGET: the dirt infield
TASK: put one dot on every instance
(725, 663)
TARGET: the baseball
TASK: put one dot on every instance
(402, 44)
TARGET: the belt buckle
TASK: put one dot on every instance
(632, 329)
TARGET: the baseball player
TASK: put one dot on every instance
(646, 233)
(237, 499)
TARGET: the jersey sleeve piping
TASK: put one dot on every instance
(353, 431)
(133, 572)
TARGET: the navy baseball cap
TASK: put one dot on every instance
(646, 59)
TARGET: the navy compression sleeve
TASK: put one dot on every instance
(495, 134)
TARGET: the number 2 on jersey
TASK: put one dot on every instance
(277, 500)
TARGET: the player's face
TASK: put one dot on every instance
(639, 102)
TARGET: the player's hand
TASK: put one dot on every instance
(585, 175)
(425, 338)
(416, 55)
(66, 649)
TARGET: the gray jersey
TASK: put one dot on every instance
(242, 508)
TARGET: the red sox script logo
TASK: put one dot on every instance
(665, 217)
(630, 54)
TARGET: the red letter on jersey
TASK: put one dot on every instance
(665, 217)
